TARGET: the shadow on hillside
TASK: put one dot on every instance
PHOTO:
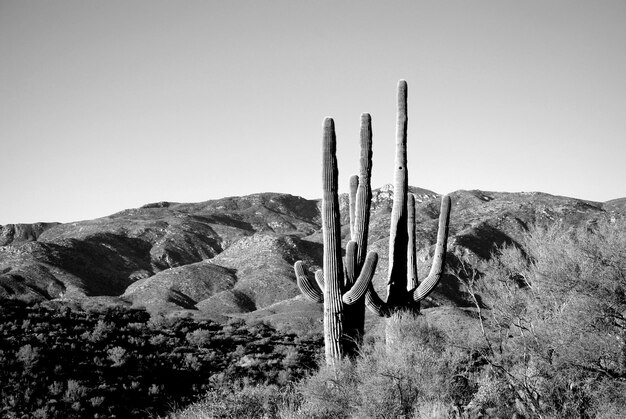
(484, 239)
(104, 261)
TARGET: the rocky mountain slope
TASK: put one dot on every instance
(234, 256)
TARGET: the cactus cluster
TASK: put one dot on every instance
(341, 285)
(344, 285)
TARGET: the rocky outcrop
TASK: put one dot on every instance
(17, 233)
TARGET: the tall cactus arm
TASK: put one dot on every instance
(439, 258)
(411, 263)
(363, 281)
(310, 289)
(356, 279)
(364, 192)
(375, 304)
(354, 185)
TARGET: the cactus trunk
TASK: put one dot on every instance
(398, 235)
(333, 268)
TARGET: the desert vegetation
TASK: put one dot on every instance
(61, 361)
(545, 339)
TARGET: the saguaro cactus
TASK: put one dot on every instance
(403, 291)
(360, 204)
(335, 287)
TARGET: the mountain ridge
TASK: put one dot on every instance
(233, 256)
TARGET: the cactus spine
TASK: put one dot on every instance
(403, 292)
(335, 287)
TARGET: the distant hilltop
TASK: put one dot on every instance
(234, 256)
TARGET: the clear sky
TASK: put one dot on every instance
(108, 105)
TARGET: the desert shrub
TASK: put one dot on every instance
(158, 340)
(329, 393)
(397, 373)
(411, 371)
(199, 338)
(55, 388)
(74, 391)
(292, 358)
(231, 402)
(192, 362)
(100, 332)
(29, 356)
(117, 355)
(554, 321)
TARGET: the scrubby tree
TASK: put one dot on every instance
(553, 316)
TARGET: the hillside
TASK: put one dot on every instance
(234, 256)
